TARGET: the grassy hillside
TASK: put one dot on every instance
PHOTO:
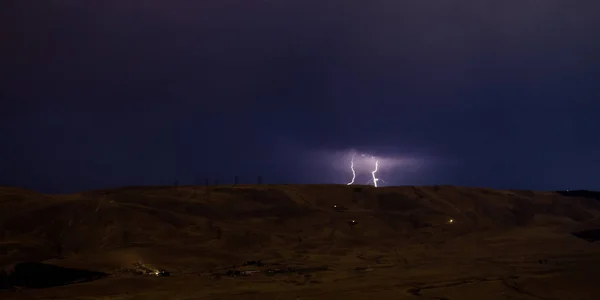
(376, 240)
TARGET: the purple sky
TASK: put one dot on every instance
(501, 94)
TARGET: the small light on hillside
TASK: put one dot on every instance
(451, 221)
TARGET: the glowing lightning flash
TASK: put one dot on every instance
(352, 168)
(373, 173)
(375, 179)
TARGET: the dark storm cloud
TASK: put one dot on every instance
(233, 50)
(489, 86)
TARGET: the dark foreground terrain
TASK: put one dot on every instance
(299, 242)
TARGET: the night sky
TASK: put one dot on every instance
(501, 94)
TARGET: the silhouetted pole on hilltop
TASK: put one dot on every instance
(216, 181)
(259, 181)
(235, 180)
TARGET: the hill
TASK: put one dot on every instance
(304, 241)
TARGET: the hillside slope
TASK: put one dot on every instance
(192, 230)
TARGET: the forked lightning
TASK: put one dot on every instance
(375, 179)
(373, 173)
(352, 168)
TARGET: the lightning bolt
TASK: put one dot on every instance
(352, 168)
(375, 179)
